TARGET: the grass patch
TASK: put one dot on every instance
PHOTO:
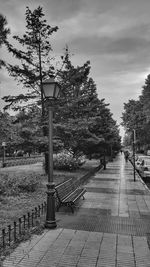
(27, 192)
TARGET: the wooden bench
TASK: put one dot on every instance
(67, 193)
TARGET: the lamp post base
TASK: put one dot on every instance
(50, 214)
(50, 224)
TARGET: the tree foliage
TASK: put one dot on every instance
(5, 121)
(8, 131)
(4, 31)
(82, 121)
(34, 61)
(136, 116)
(145, 99)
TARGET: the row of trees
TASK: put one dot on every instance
(136, 116)
(82, 122)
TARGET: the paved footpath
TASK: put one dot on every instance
(111, 227)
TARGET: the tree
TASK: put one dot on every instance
(34, 59)
(82, 118)
(79, 108)
(77, 101)
(145, 99)
(4, 31)
(29, 129)
(134, 118)
(8, 131)
(5, 121)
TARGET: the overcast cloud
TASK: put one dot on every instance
(113, 34)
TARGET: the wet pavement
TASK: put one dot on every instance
(111, 227)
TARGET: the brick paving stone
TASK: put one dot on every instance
(106, 263)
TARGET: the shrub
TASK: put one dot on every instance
(8, 185)
(66, 161)
(28, 183)
(15, 185)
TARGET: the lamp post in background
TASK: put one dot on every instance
(134, 141)
(104, 160)
(51, 91)
(4, 150)
(111, 153)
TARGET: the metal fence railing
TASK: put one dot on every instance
(12, 233)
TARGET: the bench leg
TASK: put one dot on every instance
(72, 209)
(71, 206)
(58, 207)
(83, 197)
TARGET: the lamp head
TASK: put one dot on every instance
(51, 88)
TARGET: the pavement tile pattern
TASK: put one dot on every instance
(110, 228)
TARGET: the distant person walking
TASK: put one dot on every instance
(126, 155)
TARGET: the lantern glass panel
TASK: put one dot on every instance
(57, 89)
(48, 89)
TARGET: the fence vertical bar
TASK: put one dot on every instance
(3, 237)
(35, 212)
(28, 219)
(32, 218)
(24, 221)
(42, 208)
(20, 226)
(39, 210)
(9, 234)
(15, 231)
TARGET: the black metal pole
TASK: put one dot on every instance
(3, 164)
(111, 153)
(134, 155)
(50, 213)
(104, 160)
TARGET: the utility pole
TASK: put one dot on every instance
(134, 141)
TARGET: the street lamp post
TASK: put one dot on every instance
(51, 90)
(134, 140)
(111, 153)
(4, 149)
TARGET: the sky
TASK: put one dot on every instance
(114, 35)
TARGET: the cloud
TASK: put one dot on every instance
(94, 45)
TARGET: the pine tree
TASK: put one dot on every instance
(145, 98)
(34, 59)
(82, 118)
(4, 31)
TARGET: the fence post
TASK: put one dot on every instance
(3, 237)
(9, 234)
(42, 208)
(39, 210)
(45, 206)
(24, 221)
(35, 212)
(20, 226)
(28, 219)
(32, 218)
(15, 231)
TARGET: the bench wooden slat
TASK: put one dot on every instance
(73, 195)
(68, 193)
